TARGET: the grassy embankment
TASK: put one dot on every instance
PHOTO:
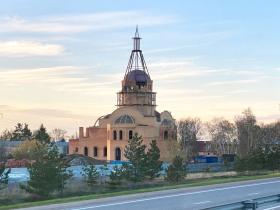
(163, 186)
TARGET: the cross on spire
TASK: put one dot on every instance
(136, 40)
(136, 32)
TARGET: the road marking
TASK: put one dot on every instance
(202, 202)
(175, 195)
(275, 207)
(253, 193)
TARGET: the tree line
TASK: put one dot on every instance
(22, 132)
(256, 145)
(49, 171)
(239, 137)
(223, 136)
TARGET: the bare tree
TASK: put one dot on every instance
(269, 134)
(6, 135)
(58, 134)
(247, 131)
(188, 130)
(223, 136)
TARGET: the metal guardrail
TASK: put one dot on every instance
(249, 204)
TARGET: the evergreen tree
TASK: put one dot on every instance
(41, 135)
(4, 176)
(153, 162)
(90, 174)
(48, 173)
(27, 134)
(21, 132)
(176, 172)
(135, 152)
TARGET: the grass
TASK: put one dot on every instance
(166, 186)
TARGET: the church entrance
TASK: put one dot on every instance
(118, 153)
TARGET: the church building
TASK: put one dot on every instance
(135, 113)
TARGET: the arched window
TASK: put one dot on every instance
(118, 153)
(120, 134)
(130, 134)
(105, 151)
(95, 151)
(167, 122)
(76, 150)
(125, 119)
(115, 135)
(165, 135)
(86, 151)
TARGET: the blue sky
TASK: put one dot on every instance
(61, 62)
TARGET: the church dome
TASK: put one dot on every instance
(137, 76)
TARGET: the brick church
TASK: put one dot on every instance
(135, 113)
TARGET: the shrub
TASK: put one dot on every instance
(176, 172)
(116, 177)
(90, 174)
(4, 176)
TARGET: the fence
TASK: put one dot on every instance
(21, 174)
(249, 204)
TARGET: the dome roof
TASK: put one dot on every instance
(137, 76)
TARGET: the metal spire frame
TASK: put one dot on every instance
(136, 60)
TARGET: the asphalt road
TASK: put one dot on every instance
(178, 199)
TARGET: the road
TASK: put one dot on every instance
(179, 199)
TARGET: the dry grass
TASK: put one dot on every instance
(77, 189)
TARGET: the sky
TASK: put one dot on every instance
(62, 62)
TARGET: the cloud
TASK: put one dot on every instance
(28, 48)
(238, 91)
(75, 23)
(51, 77)
(57, 113)
(66, 79)
(4, 107)
(233, 82)
(168, 49)
(269, 118)
(180, 69)
(33, 74)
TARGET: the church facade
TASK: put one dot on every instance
(135, 113)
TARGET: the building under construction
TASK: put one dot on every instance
(135, 113)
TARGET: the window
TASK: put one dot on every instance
(105, 151)
(125, 119)
(95, 152)
(76, 149)
(86, 151)
(130, 134)
(165, 135)
(118, 153)
(120, 134)
(166, 122)
(115, 135)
